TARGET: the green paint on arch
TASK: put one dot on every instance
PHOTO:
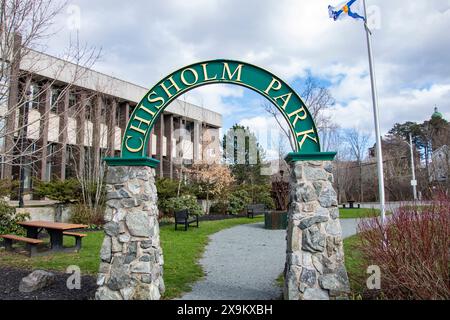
(146, 114)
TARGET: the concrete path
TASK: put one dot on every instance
(349, 227)
(243, 262)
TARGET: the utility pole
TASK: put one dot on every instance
(413, 181)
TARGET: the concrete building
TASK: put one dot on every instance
(440, 164)
(72, 117)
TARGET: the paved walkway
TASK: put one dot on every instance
(243, 262)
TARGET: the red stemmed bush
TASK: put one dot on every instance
(411, 249)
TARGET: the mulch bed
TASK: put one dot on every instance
(10, 279)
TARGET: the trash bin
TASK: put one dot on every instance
(275, 220)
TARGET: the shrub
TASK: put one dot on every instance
(84, 214)
(167, 188)
(219, 207)
(181, 203)
(65, 191)
(7, 188)
(262, 194)
(412, 251)
(259, 193)
(238, 200)
(9, 219)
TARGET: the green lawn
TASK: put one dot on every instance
(354, 265)
(357, 213)
(181, 250)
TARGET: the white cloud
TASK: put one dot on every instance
(412, 105)
(216, 97)
(144, 41)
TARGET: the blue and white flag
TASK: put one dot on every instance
(353, 9)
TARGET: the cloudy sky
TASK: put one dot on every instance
(143, 41)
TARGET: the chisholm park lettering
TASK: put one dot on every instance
(290, 105)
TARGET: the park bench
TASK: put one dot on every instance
(77, 236)
(31, 243)
(253, 209)
(185, 218)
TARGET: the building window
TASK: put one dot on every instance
(103, 109)
(72, 100)
(70, 163)
(51, 148)
(88, 110)
(54, 100)
(33, 96)
(27, 177)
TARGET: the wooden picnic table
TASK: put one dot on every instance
(54, 229)
(351, 204)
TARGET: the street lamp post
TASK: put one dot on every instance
(413, 167)
(413, 181)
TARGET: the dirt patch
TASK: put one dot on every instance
(10, 279)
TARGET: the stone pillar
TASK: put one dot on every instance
(315, 268)
(131, 265)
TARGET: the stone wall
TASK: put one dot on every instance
(131, 265)
(315, 267)
(47, 213)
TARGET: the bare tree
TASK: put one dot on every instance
(27, 76)
(358, 143)
(318, 100)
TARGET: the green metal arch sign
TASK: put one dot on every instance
(301, 124)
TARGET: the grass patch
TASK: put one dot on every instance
(87, 259)
(181, 251)
(354, 265)
(358, 213)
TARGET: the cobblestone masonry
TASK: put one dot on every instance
(315, 267)
(131, 265)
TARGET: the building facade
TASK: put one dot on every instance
(59, 120)
(440, 165)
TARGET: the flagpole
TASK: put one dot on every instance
(376, 120)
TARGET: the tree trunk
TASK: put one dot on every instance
(179, 182)
(207, 202)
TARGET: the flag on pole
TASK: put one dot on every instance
(349, 9)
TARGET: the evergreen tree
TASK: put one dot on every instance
(245, 157)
